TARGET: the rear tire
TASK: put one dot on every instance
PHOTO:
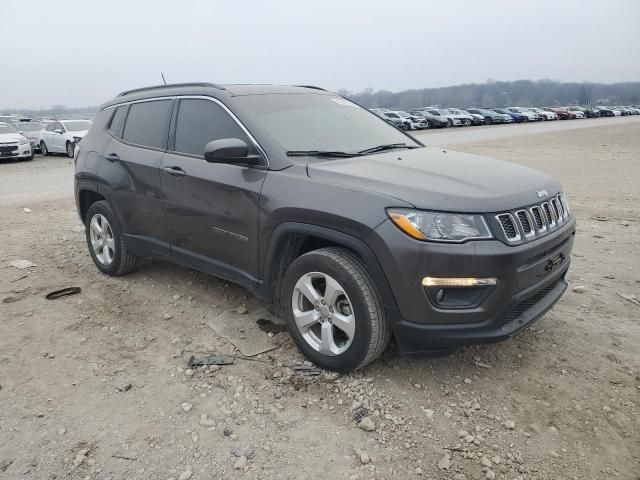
(106, 242)
(488, 121)
(333, 310)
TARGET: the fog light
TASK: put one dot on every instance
(459, 282)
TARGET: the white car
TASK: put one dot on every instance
(63, 135)
(13, 144)
(33, 131)
(531, 116)
(454, 120)
(545, 114)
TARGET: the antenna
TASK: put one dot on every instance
(163, 79)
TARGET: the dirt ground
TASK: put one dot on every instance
(96, 385)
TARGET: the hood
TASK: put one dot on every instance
(433, 179)
(11, 137)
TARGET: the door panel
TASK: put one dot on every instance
(212, 215)
(132, 185)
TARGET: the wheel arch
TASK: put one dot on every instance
(86, 198)
(290, 240)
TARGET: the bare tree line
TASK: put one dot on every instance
(493, 94)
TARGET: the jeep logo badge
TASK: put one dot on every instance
(542, 193)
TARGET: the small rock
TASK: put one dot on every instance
(80, 457)
(189, 372)
(490, 474)
(467, 381)
(186, 406)
(445, 462)
(167, 316)
(26, 210)
(242, 310)
(186, 475)
(459, 476)
(176, 298)
(579, 289)
(367, 424)
(125, 387)
(362, 456)
(62, 431)
(496, 459)
(418, 471)
(486, 462)
(207, 422)
(240, 463)
(510, 424)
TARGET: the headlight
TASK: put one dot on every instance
(440, 227)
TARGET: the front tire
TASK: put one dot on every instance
(70, 148)
(44, 149)
(333, 311)
(106, 242)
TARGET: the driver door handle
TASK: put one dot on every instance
(175, 171)
(112, 157)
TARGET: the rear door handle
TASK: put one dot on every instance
(175, 171)
(112, 157)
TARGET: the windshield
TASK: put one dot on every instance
(303, 122)
(6, 128)
(30, 126)
(77, 125)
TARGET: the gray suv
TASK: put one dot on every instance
(355, 231)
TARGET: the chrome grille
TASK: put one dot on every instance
(531, 222)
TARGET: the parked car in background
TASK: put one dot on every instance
(433, 121)
(13, 145)
(466, 119)
(530, 116)
(62, 136)
(589, 112)
(517, 117)
(33, 131)
(10, 119)
(489, 116)
(563, 113)
(453, 120)
(416, 122)
(607, 112)
(477, 118)
(544, 114)
(578, 112)
(397, 120)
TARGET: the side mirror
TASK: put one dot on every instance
(58, 130)
(229, 150)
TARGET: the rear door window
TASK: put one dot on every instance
(201, 121)
(147, 123)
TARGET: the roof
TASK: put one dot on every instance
(212, 89)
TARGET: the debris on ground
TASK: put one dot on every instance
(445, 462)
(213, 358)
(63, 293)
(306, 370)
(22, 264)
(631, 298)
(579, 289)
(125, 387)
(367, 424)
(243, 452)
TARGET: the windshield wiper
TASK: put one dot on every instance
(320, 153)
(382, 148)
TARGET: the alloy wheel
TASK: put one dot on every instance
(323, 313)
(102, 240)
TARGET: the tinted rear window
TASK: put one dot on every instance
(202, 121)
(147, 123)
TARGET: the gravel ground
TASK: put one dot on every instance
(96, 385)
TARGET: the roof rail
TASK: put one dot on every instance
(171, 85)
(310, 86)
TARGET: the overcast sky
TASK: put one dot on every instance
(79, 53)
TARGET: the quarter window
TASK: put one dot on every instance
(116, 119)
(202, 121)
(147, 123)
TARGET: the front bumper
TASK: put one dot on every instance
(527, 286)
(20, 151)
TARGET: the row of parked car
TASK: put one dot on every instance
(435, 117)
(21, 138)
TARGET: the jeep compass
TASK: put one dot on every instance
(353, 229)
